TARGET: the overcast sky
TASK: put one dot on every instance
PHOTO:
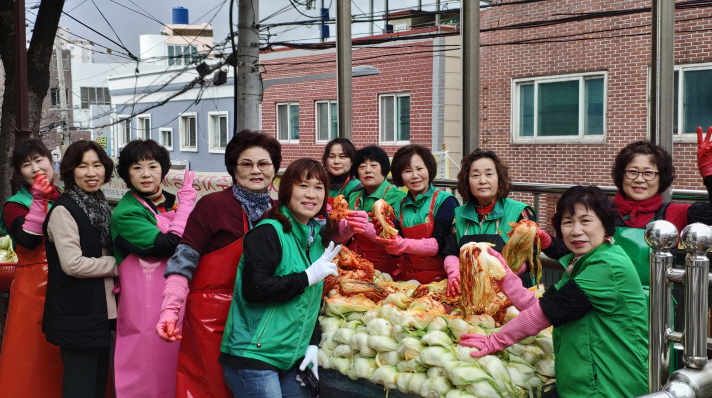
(124, 16)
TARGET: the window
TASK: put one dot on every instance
(165, 137)
(327, 120)
(143, 127)
(549, 109)
(288, 122)
(693, 98)
(54, 96)
(188, 132)
(218, 130)
(394, 116)
(181, 55)
(123, 130)
(65, 61)
(95, 96)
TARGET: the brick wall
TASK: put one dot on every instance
(404, 67)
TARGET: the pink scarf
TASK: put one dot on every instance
(638, 212)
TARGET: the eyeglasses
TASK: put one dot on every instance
(247, 166)
(647, 175)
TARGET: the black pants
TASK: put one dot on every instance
(85, 372)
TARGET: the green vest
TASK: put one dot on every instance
(506, 210)
(277, 333)
(415, 212)
(23, 197)
(605, 353)
(135, 223)
(386, 191)
(345, 190)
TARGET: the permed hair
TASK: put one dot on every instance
(504, 184)
(401, 161)
(658, 156)
(373, 153)
(591, 197)
(138, 150)
(246, 139)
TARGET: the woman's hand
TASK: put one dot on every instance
(452, 268)
(187, 194)
(323, 267)
(174, 295)
(704, 152)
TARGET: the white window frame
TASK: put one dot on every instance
(161, 141)
(181, 131)
(123, 137)
(395, 121)
(289, 122)
(581, 138)
(140, 131)
(214, 148)
(188, 54)
(329, 134)
(681, 69)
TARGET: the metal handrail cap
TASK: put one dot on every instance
(661, 235)
(697, 238)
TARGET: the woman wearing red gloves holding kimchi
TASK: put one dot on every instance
(425, 214)
(29, 366)
(598, 308)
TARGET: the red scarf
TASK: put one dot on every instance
(638, 212)
(486, 209)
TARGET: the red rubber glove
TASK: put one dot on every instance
(704, 152)
(41, 190)
(544, 237)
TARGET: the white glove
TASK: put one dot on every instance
(311, 356)
(323, 267)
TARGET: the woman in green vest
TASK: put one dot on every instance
(372, 167)
(278, 289)
(35, 372)
(338, 160)
(425, 217)
(483, 182)
(598, 309)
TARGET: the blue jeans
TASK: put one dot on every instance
(255, 383)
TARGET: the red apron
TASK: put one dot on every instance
(29, 366)
(373, 251)
(330, 200)
(142, 285)
(207, 306)
(424, 269)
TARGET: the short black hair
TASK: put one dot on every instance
(28, 150)
(73, 158)
(374, 153)
(138, 150)
(658, 156)
(593, 198)
(401, 161)
(346, 145)
(246, 139)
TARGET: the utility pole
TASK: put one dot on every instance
(22, 119)
(248, 69)
(62, 87)
(662, 83)
(343, 68)
(470, 33)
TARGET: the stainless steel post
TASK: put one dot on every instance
(696, 239)
(661, 236)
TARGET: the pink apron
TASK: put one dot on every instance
(144, 365)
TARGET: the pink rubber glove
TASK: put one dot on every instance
(186, 201)
(452, 268)
(354, 223)
(528, 323)
(704, 152)
(512, 287)
(311, 356)
(41, 190)
(370, 232)
(399, 245)
(544, 237)
(174, 295)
